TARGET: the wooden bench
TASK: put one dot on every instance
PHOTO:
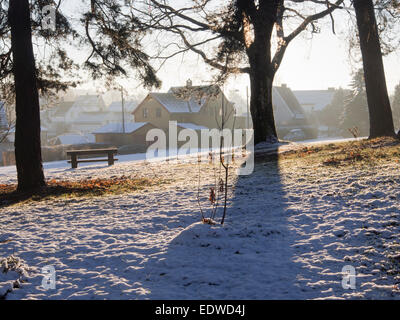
(75, 153)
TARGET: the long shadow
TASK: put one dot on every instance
(250, 257)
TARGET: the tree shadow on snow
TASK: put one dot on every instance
(250, 257)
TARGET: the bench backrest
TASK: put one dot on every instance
(93, 151)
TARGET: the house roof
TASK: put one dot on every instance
(72, 139)
(63, 108)
(92, 117)
(290, 99)
(185, 99)
(176, 105)
(187, 125)
(197, 90)
(89, 102)
(116, 106)
(318, 99)
(118, 128)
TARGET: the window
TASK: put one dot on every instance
(145, 113)
(158, 113)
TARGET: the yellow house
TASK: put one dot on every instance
(202, 106)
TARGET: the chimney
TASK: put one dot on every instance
(188, 83)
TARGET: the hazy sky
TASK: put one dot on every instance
(308, 64)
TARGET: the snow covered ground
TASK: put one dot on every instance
(290, 230)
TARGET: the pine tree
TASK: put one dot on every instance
(110, 32)
(355, 115)
(330, 115)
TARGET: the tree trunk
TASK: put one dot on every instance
(261, 79)
(380, 113)
(27, 131)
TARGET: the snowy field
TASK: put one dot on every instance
(290, 230)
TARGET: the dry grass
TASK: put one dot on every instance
(72, 189)
(360, 152)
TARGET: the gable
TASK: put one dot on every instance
(148, 102)
(63, 108)
(290, 99)
(173, 104)
(118, 128)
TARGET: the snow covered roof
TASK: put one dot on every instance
(89, 103)
(176, 105)
(316, 99)
(116, 106)
(280, 106)
(118, 128)
(92, 117)
(290, 99)
(71, 139)
(91, 138)
(187, 125)
(198, 91)
(63, 108)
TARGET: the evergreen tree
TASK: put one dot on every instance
(110, 32)
(331, 114)
(355, 115)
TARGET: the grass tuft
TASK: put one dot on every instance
(72, 189)
(360, 152)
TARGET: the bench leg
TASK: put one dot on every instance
(74, 162)
(110, 159)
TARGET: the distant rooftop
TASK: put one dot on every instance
(290, 99)
(316, 99)
(116, 106)
(63, 108)
(91, 117)
(89, 102)
(71, 139)
(176, 105)
(118, 128)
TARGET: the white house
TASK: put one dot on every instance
(84, 115)
(115, 111)
(314, 100)
(66, 139)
